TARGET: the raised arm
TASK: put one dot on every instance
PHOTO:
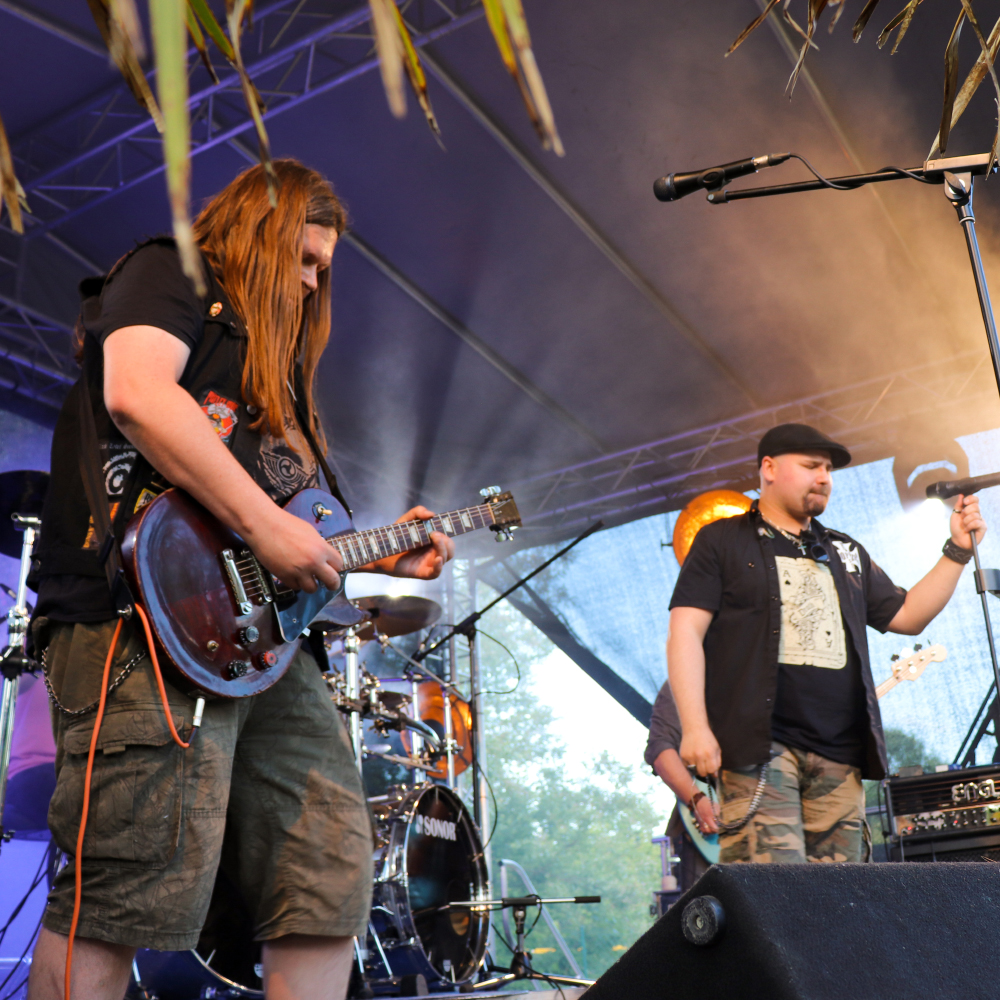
(142, 368)
(926, 599)
(686, 668)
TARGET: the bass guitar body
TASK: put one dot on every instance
(223, 622)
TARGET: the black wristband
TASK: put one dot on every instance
(956, 553)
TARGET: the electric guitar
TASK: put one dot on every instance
(225, 623)
(910, 668)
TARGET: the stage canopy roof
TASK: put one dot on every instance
(505, 316)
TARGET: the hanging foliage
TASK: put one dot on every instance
(956, 99)
(174, 21)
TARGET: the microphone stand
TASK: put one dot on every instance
(955, 173)
(467, 627)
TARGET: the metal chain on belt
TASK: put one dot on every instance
(117, 682)
(754, 803)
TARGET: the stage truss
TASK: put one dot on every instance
(663, 475)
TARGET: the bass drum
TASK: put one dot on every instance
(428, 853)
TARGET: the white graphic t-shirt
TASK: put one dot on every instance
(812, 630)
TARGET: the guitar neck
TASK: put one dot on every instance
(358, 548)
(886, 686)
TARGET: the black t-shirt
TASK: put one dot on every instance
(817, 707)
(732, 571)
(150, 289)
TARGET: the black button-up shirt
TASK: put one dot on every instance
(731, 572)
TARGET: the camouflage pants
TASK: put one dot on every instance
(812, 809)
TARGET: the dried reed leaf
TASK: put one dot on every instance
(752, 26)
(841, 6)
(517, 25)
(911, 9)
(415, 71)
(862, 22)
(198, 38)
(988, 56)
(498, 27)
(390, 54)
(893, 24)
(11, 193)
(114, 31)
(236, 10)
(976, 76)
(950, 81)
(214, 29)
(127, 18)
(170, 44)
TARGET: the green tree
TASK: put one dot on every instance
(571, 837)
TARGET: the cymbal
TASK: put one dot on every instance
(21, 492)
(430, 700)
(394, 616)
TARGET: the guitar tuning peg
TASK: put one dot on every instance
(917, 646)
(894, 657)
(489, 491)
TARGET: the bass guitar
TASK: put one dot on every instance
(223, 621)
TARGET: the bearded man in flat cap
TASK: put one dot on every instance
(768, 657)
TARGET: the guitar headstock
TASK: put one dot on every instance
(909, 668)
(503, 510)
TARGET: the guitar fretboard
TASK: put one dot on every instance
(362, 547)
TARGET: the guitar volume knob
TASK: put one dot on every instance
(236, 669)
(267, 660)
(248, 635)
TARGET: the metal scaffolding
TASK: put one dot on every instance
(35, 354)
(295, 51)
(662, 475)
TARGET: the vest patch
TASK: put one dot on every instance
(222, 413)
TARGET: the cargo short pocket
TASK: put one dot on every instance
(136, 797)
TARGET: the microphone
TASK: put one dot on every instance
(675, 186)
(943, 490)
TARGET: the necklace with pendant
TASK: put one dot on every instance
(794, 539)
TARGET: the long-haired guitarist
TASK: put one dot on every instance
(213, 395)
(768, 657)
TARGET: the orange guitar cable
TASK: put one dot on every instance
(78, 888)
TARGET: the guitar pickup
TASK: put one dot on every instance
(235, 581)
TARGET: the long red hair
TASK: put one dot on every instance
(256, 252)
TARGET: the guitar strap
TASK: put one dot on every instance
(108, 549)
(303, 419)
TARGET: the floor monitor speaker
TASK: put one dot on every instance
(822, 932)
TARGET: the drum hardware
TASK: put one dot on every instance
(451, 748)
(22, 495)
(520, 963)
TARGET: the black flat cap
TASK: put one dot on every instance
(787, 438)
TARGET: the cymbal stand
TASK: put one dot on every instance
(414, 669)
(467, 627)
(14, 659)
(417, 743)
(352, 646)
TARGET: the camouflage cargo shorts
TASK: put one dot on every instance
(812, 809)
(268, 788)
